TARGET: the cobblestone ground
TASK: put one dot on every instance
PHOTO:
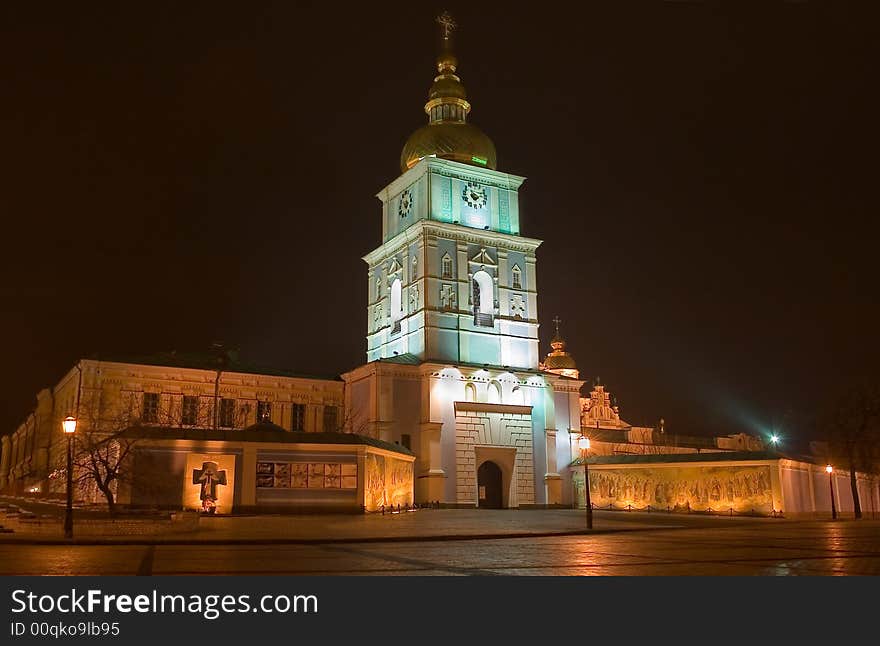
(694, 546)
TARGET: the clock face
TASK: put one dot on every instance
(404, 207)
(474, 195)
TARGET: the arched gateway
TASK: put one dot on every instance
(489, 483)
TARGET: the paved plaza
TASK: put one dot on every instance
(463, 542)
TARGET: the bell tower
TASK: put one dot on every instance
(453, 280)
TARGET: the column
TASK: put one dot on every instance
(248, 477)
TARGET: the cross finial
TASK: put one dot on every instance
(557, 320)
(447, 23)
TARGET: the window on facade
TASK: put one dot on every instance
(396, 305)
(483, 299)
(331, 418)
(516, 274)
(446, 266)
(190, 412)
(264, 412)
(150, 411)
(406, 441)
(227, 413)
(298, 413)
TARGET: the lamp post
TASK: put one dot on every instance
(774, 441)
(830, 471)
(69, 426)
(584, 446)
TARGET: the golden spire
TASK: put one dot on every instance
(446, 62)
(448, 135)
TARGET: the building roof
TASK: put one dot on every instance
(406, 358)
(265, 432)
(208, 361)
(669, 458)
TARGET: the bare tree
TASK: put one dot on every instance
(110, 429)
(353, 422)
(102, 448)
(853, 429)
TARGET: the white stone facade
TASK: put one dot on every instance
(502, 434)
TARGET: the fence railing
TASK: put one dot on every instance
(687, 509)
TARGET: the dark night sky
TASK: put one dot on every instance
(703, 176)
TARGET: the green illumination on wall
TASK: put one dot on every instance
(480, 160)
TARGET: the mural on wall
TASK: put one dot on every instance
(400, 482)
(287, 475)
(209, 482)
(374, 481)
(387, 481)
(699, 488)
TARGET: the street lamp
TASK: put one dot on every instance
(830, 471)
(774, 441)
(584, 446)
(69, 426)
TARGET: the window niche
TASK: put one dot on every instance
(446, 266)
(516, 277)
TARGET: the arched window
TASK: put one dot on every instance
(470, 393)
(516, 277)
(446, 266)
(494, 394)
(516, 396)
(396, 306)
(484, 299)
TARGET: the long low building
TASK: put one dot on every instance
(265, 468)
(764, 483)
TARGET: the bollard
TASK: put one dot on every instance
(383, 510)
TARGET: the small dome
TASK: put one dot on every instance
(447, 86)
(560, 361)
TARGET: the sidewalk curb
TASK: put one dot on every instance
(324, 541)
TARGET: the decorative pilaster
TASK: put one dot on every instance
(552, 479)
(431, 476)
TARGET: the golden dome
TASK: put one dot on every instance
(448, 135)
(461, 142)
(559, 361)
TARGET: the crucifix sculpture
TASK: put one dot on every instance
(209, 477)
